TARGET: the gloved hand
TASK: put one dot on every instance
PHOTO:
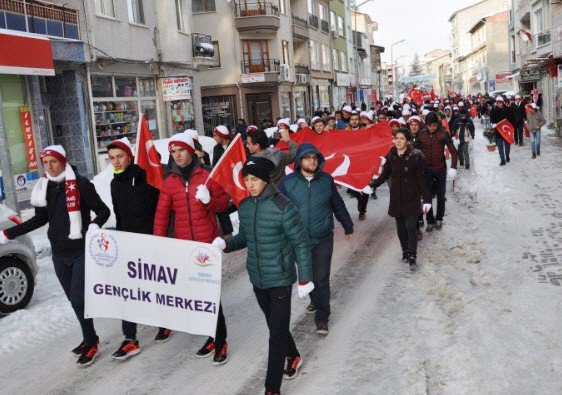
(367, 190)
(452, 174)
(494, 125)
(305, 288)
(203, 194)
(426, 208)
(93, 226)
(3, 238)
(219, 243)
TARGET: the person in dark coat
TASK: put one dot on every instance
(241, 129)
(64, 200)
(405, 167)
(134, 204)
(222, 138)
(498, 114)
(463, 130)
(519, 115)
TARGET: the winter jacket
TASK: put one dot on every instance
(519, 113)
(218, 150)
(134, 201)
(499, 114)
(463, 129)
(342, 124)
(193, 219)
(56, 215)
(272, 230)
(317, 200)
(433, 147)
(281, 159)
(408, 184)
(535, 121)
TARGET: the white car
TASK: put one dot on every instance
(17, 266)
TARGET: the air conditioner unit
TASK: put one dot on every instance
(301, 79)
(334, 34)
(284, 73)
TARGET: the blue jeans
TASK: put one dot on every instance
(504, 148)
(536, 141)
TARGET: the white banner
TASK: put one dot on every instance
(157, 281)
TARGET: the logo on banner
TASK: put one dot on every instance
(104, 250)
(202, 257)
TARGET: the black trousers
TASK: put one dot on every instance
(70, 272)
(276, 306)
(437, 178)
(362, 200)
(407, 233)
(321, 265)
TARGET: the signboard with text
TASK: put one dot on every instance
(176, 88)
(30, 152)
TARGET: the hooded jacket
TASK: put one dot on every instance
(280, 159)
(273, 232)
(535, 121)
(317, 200)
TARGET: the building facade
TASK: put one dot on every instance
(341, 90)
(434, 62)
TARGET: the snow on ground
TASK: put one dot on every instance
(481, 314)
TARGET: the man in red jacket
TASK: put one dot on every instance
(195, 200)
(432, 141)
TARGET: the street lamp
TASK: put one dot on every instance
(394, 88)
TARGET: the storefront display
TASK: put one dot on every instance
(176, 92)
(299, 96)
(286, 105)
(218, 110)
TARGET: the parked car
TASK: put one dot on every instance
(18, 266)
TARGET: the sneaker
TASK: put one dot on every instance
(420, 235)
(507, 159)
(163, 335)
(80, 348)
(292, 367)
(404, 257)
(412, 262)
(438, 224)
(311, 309)
(429, 228)
(502, 163)
(88, 356)
(322, 328)
(221, 357)
(207, 348)
(362, 216)
(128, 349)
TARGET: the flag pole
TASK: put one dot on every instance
(138, 139)
(238, 136)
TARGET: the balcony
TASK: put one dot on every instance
(256, 16)
(260, 70)
(203, 50)
(300, 28)
(313, 21)
(302, 69)
(40, 18)
(325, 26)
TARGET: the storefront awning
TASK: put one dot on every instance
(25, 54)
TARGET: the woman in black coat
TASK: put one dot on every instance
(405, 167)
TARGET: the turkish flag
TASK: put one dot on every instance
(228, 171)
(146, 155)
(352, 157)
(526, 130)
(507, 130)
(432, 93)
(473, 110)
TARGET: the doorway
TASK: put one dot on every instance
(259, 108)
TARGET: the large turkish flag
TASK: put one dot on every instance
(506, 129)
(146, 155)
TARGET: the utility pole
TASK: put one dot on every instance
(394, 87)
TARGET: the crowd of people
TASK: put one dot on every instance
(286, 223)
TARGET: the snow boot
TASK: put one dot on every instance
(507, 159)
(322, 328)
(438, 224)
(412, 262)
(207, 348)
(429, 228)
(127, 349)
(405, 257)
(502, 163)
(362, 216)
(292, 367)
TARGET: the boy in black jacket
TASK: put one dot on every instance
(134, 203)
(64, 199)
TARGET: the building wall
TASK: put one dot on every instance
(497, 48)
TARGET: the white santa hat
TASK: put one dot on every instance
(406, 112)
(123, 144)
(499, 98)
(285, 123)
(347, 109)
(425, 112)
(222, 131)
(316, 118)
(461, 104)
(415, 119)
(39, 192)
(301, 121)
(395, 121)
(194, 134)
(406, 106)
(182, 140)
(367, 115)
(518, 96)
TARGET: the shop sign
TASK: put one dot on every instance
(504, 77)
(30, 152)
(343, 79)
(531, 74)
(25, 181)
(176, 88)
(252, 78)
(492, 85)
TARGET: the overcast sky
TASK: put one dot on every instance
(423, 23)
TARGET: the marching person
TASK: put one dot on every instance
(405, 166)
(366, 118)
(519, 115)
(222, 138)
(432, 141)
(194, 200)
(319, 125)
(463, 131)
(331, 122)
(199, 151)
(345, 119)
(64, 199)
(314, 193)
(258, 146)
(281, 241)
(134, 204)
(535, 121)
(498, 114)
(354, 122)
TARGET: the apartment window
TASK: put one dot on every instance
(136, 14)
(203, 6)
(180, 18)
(343, 61)
(325, 57)
(310, 6)
(105, 7)
(256, 56)
(314, 55)
(322, 11)
(282, 6)
(335, 59)
(341, 29)
(333, 22)
(539, 21)
(285, 48)
(217, 55)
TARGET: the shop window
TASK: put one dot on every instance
(148, 108)
(147, 87)
(218, 110)
(102, 87)
(125, 87)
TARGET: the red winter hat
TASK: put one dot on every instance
(222, 131)
(394, 122)
(56, 151)
(123, 144)
(182, 140)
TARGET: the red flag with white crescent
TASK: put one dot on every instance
(228, 171)
(526, 130)
(507, 131)
(146, 155)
